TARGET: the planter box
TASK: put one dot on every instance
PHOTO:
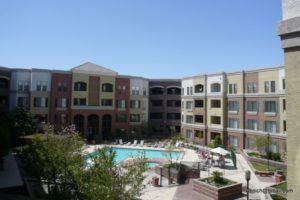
(222, 193)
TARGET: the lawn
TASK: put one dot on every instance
(277, 197)
(281, 186)
(262, 167)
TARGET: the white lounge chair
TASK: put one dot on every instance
(141, 143)
(135, 142)
(120, 141)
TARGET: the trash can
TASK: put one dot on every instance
(155, 181)
(278, 178)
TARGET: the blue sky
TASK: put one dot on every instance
(150, 38)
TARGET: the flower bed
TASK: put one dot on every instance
(226, 189)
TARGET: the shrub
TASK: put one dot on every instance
(276, 156)
(217, 177)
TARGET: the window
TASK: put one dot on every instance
(215, 87)
(283, 84)
(198, 103)
(106, 102)
(270, 106)
(26, 85)
(157, 91)
(232, 88)
(157, 103)
(233, 123)
(173, 91)
(44, 86)
(233, 141)
(199, 88)
(121, 89)
(3, 100)
(40, 102)
(135, 90)
(283, 105)
(199, 134)
(267, 86)
(233, 105)
(4, 83)
(189, 90)
(198, 118)
(173, 103)
(189, 105)
(274, 147)
(182, 91)
(79, 101)
(121, 104)
(107, 87)
(252, 106)
(20, 85)
(121, 118)
(189, 119)
(215, 120)
(215, 104)
(156, 115)
(61, 103)
(38, 86)
(23, 102)
(189, 134)
(250, 143)
(173, 116)
(135, 104)
(80, 86)
(135, 118)
(252, 124)
(251, 88)
(270, 126)
(62, 86)
(144, 91)
(284, 125)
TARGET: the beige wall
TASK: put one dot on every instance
(270, 75)
(235, 78)
(80, 94)
(292, 63)
(215, 112)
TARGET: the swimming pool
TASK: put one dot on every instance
(123, 153)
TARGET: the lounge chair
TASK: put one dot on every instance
(134, 143)
(120, 141)
(141, 143)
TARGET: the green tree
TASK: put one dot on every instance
(217, 141)
(262, 143)
(105, 179)
(59, 163)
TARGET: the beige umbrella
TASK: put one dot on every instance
(220, 150)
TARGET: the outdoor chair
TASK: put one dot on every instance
(141, 143)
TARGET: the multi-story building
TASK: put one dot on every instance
(4, 90)
(236, 106)
(164, 106)
(40, 87)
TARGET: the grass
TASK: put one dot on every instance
(277, 197)
(210, 181)
(254, 154)
(281, 186)
(262, 167)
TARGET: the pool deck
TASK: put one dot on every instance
(176, 192)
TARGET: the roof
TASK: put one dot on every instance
(91, 68)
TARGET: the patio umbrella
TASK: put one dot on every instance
(220, 151)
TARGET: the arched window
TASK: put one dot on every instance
(199, 88)
(174, 91)
(80, 86)
(215, 87)
(107, 87)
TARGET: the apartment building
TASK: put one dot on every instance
(4, 90)
(236, 106)
(164, 106)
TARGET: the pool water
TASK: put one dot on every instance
(123, 153)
